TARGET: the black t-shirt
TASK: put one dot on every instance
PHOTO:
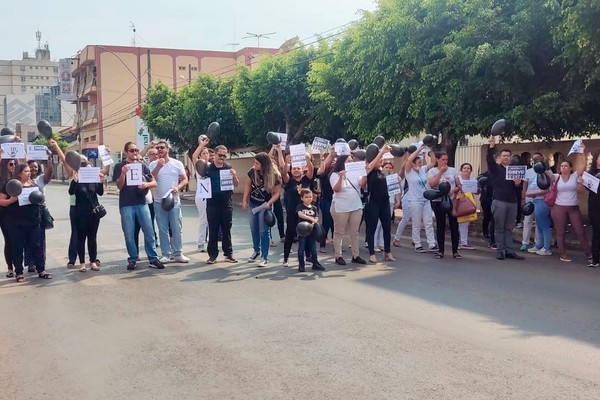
(131, 195)
(309, 211)
(28, 215)
(86, 195)
(377, 184)
(326, 190)
(292, 191)
(258, 194)
(220, 199)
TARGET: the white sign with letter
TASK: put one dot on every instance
(13, 150)
(355, 169)
(590, 182)
(134, 175)
(342, 149)
(298, 154)
(37, 152)
(320, 144)
(516, 172)
(204, 188)
(393, 184)
(226, 180)
(576, 148)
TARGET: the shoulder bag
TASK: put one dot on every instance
(463, 206)
(550, 197)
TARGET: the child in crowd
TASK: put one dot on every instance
(307, 212)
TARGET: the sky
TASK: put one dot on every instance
(68, 26)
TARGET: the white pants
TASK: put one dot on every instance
(203, 224)
(379, 231)
(463, 230)
(422, 214)
(405, 218)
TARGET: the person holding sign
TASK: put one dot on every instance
(444, 173)
(23, 224)
(7, 170)
(133, 188)
(263, 189)
(219, 208)
(594, 213)
(294, 180)
(420, 209)
(388, 171)
(170, 177)
(378, 206)
(202, 188)
(463, 227)
(543, 221)
(86, 199)
(504, 205)
(566, 206)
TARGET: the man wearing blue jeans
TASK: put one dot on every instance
(133, 207)
(170, 177)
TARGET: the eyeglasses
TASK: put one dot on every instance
(12, 164)
(133, 151)
(222, 155)
(160, 147)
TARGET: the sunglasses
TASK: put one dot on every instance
(222, 155)
(12, 164)
(133, 151)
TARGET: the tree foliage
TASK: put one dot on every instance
(56, 136)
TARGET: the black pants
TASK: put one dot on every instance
(278, 211)
(440, 231)
(73, 239)
(488, 221)
(595, 219)
(7, 244)
(307, 245)
(375, 211)
(219, 218)
(87, 229)
(290, 233)
(19, 234)
(327, 224)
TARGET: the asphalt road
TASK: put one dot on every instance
(419, 328)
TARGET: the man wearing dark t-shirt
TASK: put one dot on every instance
(133, 207)
(219, 208)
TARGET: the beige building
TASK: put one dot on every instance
(111, 83)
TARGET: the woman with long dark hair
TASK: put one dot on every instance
(263, 188)
(23, 219)
(7, 169)
(86, 199)
(437, 175)
(594, 214)
(326, 196)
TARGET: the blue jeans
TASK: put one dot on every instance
(310, 245)
(259, 230)
(141, 213)
(169, 245)
(542, 221)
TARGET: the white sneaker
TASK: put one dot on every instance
(181, 259)
(263, 263)
(254, 256)
(533, 250)
(544, 252)
(201, 248)
(285, 263)
(165, 260)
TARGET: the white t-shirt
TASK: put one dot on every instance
(449, 176)
(417, 184)
(167, 178)
(567, 191)
(347, 199)
(531, 178)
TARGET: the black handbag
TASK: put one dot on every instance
(47, 219)
(99, 211)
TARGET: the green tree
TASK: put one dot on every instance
(61, 142)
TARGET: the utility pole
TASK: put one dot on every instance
(148, 90)
(190, 74)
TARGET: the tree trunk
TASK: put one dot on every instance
(449, 145)
(297, 138)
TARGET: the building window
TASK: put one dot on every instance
(46, 67)
(194, 68)
(181, 68)
(22, 78)
(93, 138)
(23, 88)
(36, 67)
(55, 70)
(30, 87)
(22, 68)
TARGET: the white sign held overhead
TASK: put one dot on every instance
(104, 155)
(135, 175)
(89, 175)
(590, 182)
(577, 148)
(13, 150)
(37, 152)
(355, 169)
(283, 137)
(298, 154)
(342, 149)
(319, 144)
